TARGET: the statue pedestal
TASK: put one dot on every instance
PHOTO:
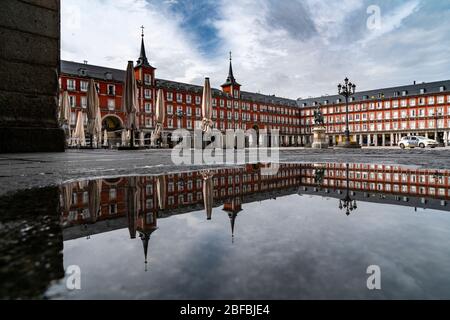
(320, 140)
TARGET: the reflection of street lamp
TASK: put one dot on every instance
(346, 90)
(347, 202)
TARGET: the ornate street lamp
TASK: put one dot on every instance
(347, 90)
(347, 202)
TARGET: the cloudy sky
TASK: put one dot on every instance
(291, 48)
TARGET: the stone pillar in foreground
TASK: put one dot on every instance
(29, 68)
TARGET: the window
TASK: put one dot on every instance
(198, 100)
(84, 102)
(148, 107)
(147, 79)
(85, 197)
(441, 89)
(179, 98)
(111, 104)
(72, 101)
(422, 91)
(169, 96)
(84, 86)
(148, 93)
(111, 90)
(71, 85)
(169, 109)
(188, 99)
(112, 194)
(170, 123)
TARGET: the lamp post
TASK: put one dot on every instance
(347, 90)
(347, 202)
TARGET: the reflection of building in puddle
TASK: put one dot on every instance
(137, 203)
(388, 184)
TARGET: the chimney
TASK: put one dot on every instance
(414, 82)
(85, 62)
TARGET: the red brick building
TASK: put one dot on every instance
(377, 117)
(381, 117)
(232, 107)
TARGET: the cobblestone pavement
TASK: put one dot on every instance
(23, 171)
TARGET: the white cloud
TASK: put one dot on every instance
(107, 33)
(273, 58)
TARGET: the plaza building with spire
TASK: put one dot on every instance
(232, 108)
(379, 117)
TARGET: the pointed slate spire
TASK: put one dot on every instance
(231, 81)
(143, 61)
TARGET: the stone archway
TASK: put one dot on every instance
(112, 123)
(114, 126)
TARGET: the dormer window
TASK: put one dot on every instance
(325, 102)
(396, 94)
(404, 93)
(441, 89)
(108, 76)
(422, 91)
(365, 97)
(82, 72)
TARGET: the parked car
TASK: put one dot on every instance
(417, 142)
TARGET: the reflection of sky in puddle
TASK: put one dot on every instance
(291, 248)
(291, 240)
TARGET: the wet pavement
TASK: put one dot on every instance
(23, 171)
(308, 232)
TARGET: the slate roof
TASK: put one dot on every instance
(380, 94)
(96, 72)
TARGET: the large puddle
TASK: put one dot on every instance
(309, 232)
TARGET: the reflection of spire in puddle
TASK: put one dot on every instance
(232, 208)
(145, 238)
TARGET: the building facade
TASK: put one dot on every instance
(377, 117)
(381, 117)
(232, 107)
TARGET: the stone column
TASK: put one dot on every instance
(361, 139)
(392, 140)
(384, 140)
(426, 134)
(29, 68)
(376, 140)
